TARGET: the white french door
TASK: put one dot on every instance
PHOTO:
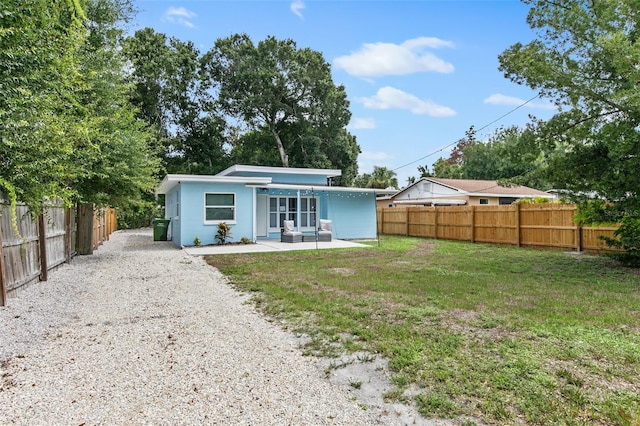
(287, 208)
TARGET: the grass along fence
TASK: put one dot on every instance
(533, 225)
(42, 244)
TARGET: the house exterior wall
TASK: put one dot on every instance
(321, 211)
(191, 221)
(171, 212)
(353, 214)
(427, 190)
(475, 201)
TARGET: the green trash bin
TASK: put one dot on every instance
(160, 228)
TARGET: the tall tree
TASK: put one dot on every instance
(114, 161)
(39, 79)
(586, 58)
(285, 92)
(67, 130)
(175, 99)
(148, 55)
(380, 178)
(509, 154)
(451, 167)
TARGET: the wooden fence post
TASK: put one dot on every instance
(473, 224)
(67, 235)
(578, 238)
(435, 222)
(406, 221)
(517, 213)
(3, 287)
(84, 220)
(42, 244)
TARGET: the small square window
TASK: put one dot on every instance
(484, 201)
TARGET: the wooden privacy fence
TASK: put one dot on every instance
(534, 225)
(42, 244)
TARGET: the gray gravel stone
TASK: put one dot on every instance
(142, 333)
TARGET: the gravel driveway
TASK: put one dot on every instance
(142, 333)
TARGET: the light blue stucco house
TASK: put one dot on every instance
(255, 200)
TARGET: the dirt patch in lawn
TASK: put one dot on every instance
(343, 271)
(423, 249)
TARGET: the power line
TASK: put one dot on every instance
(453, 143)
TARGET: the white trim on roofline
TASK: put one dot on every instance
(318, 188)
(487, 194)
(170, 181)
(422, 201)
(280, 170)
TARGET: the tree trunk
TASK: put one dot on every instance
(283, 155)
(84, 244)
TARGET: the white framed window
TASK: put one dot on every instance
(286, 208)
(484, 201)
(219, 207)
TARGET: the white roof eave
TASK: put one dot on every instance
(170, 181)
(422, 201)
(239, 168)
(487, 194)
(318, 188)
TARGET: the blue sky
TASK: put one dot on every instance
(418, 74)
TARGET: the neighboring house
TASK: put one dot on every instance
(560, 194)
(450, 192)
(255, 200)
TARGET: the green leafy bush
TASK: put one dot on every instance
(626, 238)
(138, 215)
(224, 233)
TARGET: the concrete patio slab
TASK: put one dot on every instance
(270, 246)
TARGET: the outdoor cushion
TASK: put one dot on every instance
(289, 234)
(289, 228)
(324, 230)
(325, 225)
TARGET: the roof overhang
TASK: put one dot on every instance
(431, 201)
(506, 195)
(314, 188)
(170, 181)
(239, 168)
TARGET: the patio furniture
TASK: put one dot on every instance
(289, 234)
(324, 230)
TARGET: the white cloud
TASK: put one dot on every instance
(380, 59)
(500, 99)
(362, 123)
(389, 97)
(296, 7)
(179, 15)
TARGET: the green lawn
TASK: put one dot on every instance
(501, 334)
